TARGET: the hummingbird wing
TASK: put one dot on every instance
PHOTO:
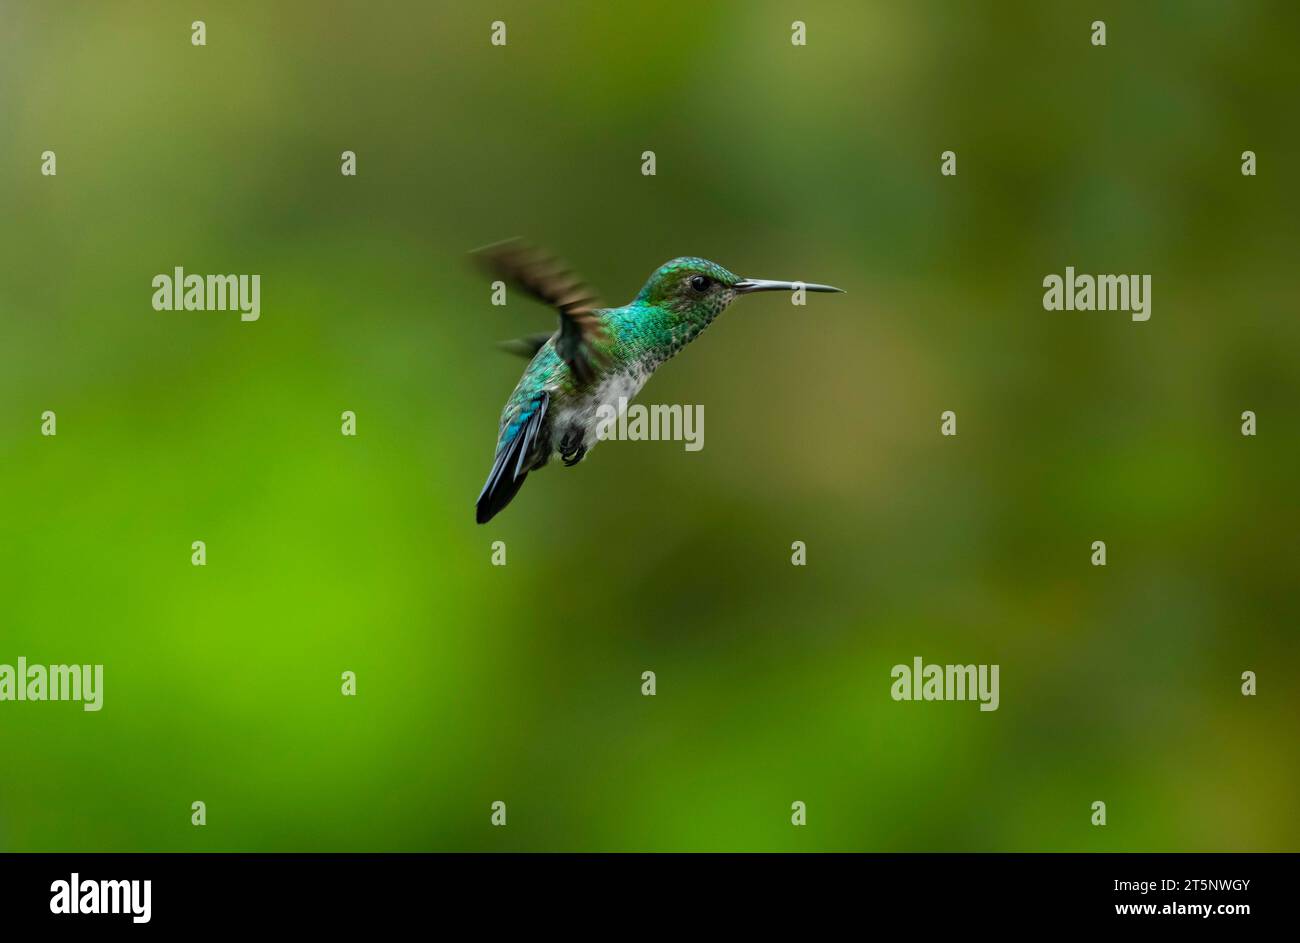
(527, 346)
(548, 279)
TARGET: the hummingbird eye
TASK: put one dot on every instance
(700, 282)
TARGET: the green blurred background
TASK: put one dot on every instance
(522, 683)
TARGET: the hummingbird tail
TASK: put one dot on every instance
(510, 467)
(491, 502)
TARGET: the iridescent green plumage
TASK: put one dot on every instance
(598, 357)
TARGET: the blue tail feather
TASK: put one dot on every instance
(508, 468)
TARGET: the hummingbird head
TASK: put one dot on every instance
(697, 289)
(689, 284)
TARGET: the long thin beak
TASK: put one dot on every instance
(747, 285)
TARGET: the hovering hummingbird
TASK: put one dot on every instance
(597, 356)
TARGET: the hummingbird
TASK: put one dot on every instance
(598, 355)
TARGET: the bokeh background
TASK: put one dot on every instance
(522, 683)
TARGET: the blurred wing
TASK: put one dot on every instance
(526, 347)
(548, 279)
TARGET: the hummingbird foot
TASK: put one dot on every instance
(571, 448)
